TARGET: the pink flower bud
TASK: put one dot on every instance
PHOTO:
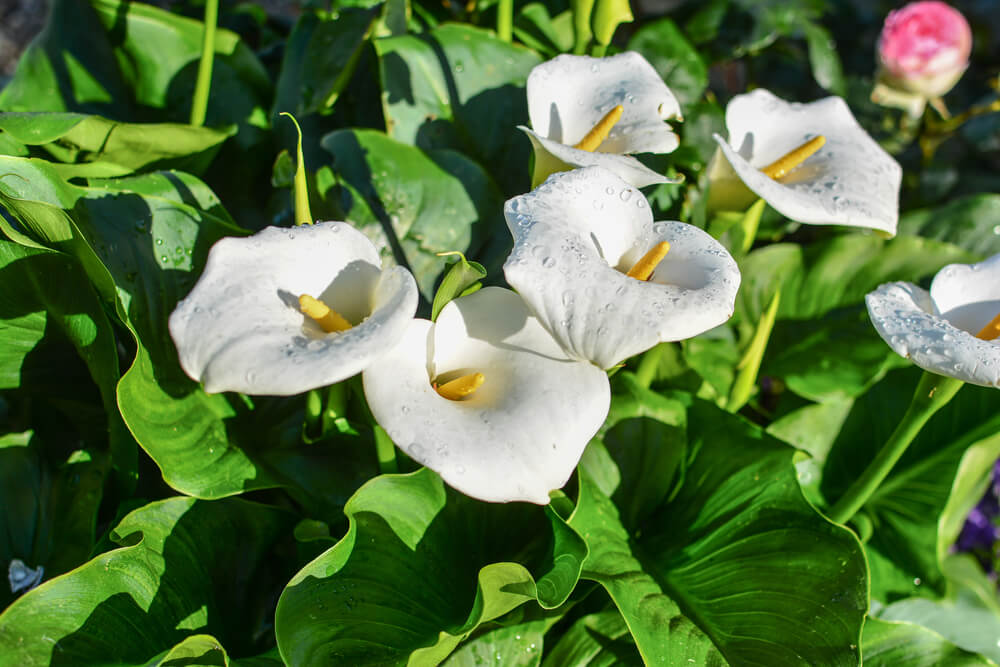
(924, 48)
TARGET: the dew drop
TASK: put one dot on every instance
(549, 262)
(159, 241)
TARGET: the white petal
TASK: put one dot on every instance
(850, 181)
(576, 237)
(968, 295)
(522, 433)
(551, 155)
(240, 328)
(569, 94)
(902, 315)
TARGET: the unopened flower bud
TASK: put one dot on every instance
(924, 48)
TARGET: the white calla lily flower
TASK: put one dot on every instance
(950, 330)
(569, 96)
(578, 236)
(849, 181)
(520, 430)
(243, 328)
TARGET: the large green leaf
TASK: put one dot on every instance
(47, 306)
(430, 202)
(109, 56)
(185, 567)
(733, 561)
(969, 616)
(673, 57)
(906, 511)
(817, 278)
(822, 346)
(48, 504)
(47, 302)
(130, 61)
(78, 138)
(596, 640)
(517, 645)
(971, 222)
(890, 644)
(824, 58)
(319, 59)
(460, 87)
(142, 241)
(420, 568)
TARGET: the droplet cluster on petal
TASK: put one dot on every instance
(575, 238)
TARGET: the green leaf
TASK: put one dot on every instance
(185, 567)
(461, 277)
(47, 302)
(906, 548)
(824, 58)
(817, 278)
(143, 240)
(888, 644)
(77, 138)
(460, 87)
(971, 222)
(194, 651)
(644, 436)
(420, 568)
(735, 555)
(830, 358)
(662, 632)
(596, 640)
(107, 55)
(515, 645)
(673, 57)
(432, 202)
(535, 28)
(48, 504)
(320, 57)
(967, 618)
(820, 352)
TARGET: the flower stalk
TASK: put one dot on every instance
(199, 104)
(505, 20)
(933, 393)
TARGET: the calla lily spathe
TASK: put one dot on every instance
(849, 181)
(577, 236)
(241, 327)
(521, 434)
(569, 95)
(937, 330)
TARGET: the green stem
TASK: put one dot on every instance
(598, 50)
(303, 216)
(314, 412)
(200, 103)
(505, 20)
(932, 393)
(646, 372)
(385, 450)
